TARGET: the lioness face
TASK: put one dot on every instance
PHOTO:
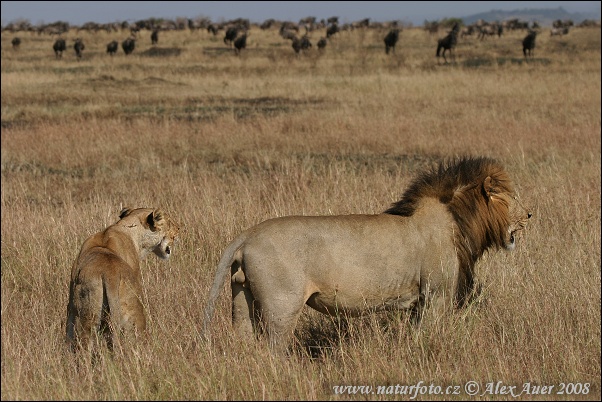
(165, 247)
(519, 216)
(160, 232)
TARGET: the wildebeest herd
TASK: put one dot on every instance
(237, 32)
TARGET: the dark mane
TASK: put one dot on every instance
(459, 185)
(448, 180)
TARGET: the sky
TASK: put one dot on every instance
(80, 12)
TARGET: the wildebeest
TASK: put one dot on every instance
(432, 27)
(128, 45)
(301, 44)
(79, 47)
(267, 24)
(155, 36)
(59, 47)
(212, 28)
(467, 31)
(240, 43)
(391, 40)
(529, 43)
(489, 29)
(322, 43)
(112, 47)
(559, 31)
(230, 36)
(286, 34)
(449, 42)
(331, 30)
(562, 24)
(16, 42)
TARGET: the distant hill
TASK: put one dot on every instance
(544, 16)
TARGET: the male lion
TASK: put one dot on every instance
(105, 293)
(419, 252)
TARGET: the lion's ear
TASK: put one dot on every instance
(488, 187)
(124, 212)
(155, 219)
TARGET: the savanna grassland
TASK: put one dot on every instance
(223, 142)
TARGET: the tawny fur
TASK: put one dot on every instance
(105, 291)
(420, 252)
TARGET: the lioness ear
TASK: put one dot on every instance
(155, 219)
(124, 212)
(488, 187)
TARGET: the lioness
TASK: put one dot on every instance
(420, 251)
(105, 293)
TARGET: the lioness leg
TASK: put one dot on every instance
(87, 306)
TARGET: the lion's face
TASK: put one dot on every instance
(518, 217)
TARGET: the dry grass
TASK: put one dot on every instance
(224, 142)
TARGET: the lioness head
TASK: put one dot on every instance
(160, 232)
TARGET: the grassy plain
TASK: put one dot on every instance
(225, 141)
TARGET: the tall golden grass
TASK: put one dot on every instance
(224, 141)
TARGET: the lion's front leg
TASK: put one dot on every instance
(433, 302)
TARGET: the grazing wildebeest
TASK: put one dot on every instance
(128, 45)
(301, 44)
(391, 40)
(230, 36)
(529, 43)
(449, 42)
(331, 30)
(267, 24)
(112, 47)
(286, 34)
(432, 27)
(322, 43)
(59, 47)
(559, 31)
(562, 24)
(240, 43)
(467, 31)
(212, 28)
(79, 47)
(155, 36)
(16, 42)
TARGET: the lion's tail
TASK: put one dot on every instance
(223, 268)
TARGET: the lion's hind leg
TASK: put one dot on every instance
(280, 311)
(244, 310)
(280, 322)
